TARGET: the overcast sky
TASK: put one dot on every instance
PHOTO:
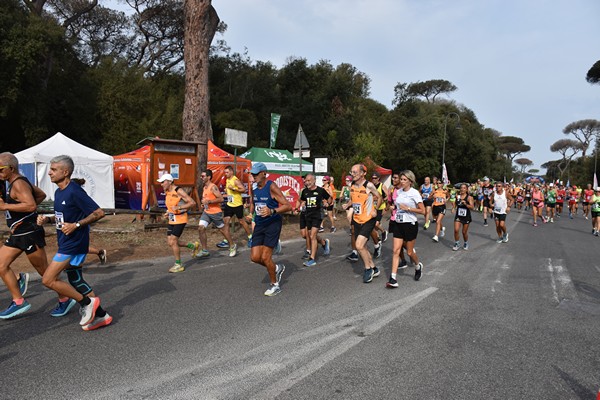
(520, 65)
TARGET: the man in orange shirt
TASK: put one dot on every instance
(211, 201)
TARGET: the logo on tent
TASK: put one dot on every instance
(280, 156)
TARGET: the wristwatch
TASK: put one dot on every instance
(78, 225)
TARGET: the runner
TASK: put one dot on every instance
(328, 208)
(596, 212)
(500, 202)
(561, 195)
(101, 253)
(312, 198)
(364, 199)
(408, 203)
(426, 190)
(383, 192)
(440, 196)
(19, 202)
(178, 202)
(211, 201)
(537, 203)
(268, 202)
(234, 206)
(396, 186)
(74, 211)
(487, 190)
(551, 197)
(588, 193)
(300, 209)
(464, 205)
(572, 198)
(353, 256)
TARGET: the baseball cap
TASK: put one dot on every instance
(348, 177)
(551, 185)
(326, 178)
(165, 177)
(258, 168)
(375, 175)
(486, 179)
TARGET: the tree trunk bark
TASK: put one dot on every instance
(200, 25)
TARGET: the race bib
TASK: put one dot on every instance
(357, 207)
(311, 202)
(440, 200)
(497, 210)
(60, 220)
(230, 199)
(171, 217)
(258, 207)
(7, 214)
(462, 212)
(425, 195)
(399, 216)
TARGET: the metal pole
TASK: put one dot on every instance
(300, 158)
(445, 131)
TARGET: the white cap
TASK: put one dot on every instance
(165, 177)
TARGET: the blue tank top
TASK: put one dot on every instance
(262, 198)
(426, 191)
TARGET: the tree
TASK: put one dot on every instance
(523, 163)
(512, 146)
(200, 25)
(583, 131)
(593, 75)
(428, 89)
(564, 147)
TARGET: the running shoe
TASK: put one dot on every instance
(98, 323)
(485, 223)
(23, 282)
(223, 244)
(499, 240)
(505, 238)
(306, 255)
(177, 268)
(310, 263)
(403, 264)
(368, 275)
(535, 224)
(456, 246)
(279, 268)
(327, 248)
(426, 226)
(466, 246)
(352, 256)
(384, 236)
(332, 230)
(203, 254)
(392, 283)
(277, 249)
(570, 215)
(63, 308)
(597, 233)
(418, 271)
(544, 219)
(102, 256)
(321, 229)
(89, 312)
(273, 290)
(443, 232)
(377, 250)
(233, 250)
(435, 238)
(195, 249)
(375, 272)
(249, 241)
(551, 220)
(13, 310)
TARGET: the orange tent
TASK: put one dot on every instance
(218, 159)
(131, 174)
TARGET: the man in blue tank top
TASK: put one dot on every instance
(268, 203)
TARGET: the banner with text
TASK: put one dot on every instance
(275, 118)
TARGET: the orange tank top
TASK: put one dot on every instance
(439, 197)
(172, 199)
(362, 203)
(213, 207)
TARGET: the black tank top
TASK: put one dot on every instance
(20, 222)
(462, 210)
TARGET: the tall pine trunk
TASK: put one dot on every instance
(200, 25)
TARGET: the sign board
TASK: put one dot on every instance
(301, 140)
(321, 164)
(236, 138)
(305, 153)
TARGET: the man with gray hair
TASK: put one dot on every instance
(74, 211)
(19, 202)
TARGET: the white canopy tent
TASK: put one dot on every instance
(93, 166)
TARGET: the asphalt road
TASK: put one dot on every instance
(519, 320)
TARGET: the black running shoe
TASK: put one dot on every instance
(418, 271)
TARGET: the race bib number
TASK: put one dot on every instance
(7, 214)
(311, 202)
(425, 195)
(462, 212)
(171, 217)
(357, 207)
(399, 216)
(230, 199)
(60, 219)
(497, 210)
(440, 200)
(258, 207)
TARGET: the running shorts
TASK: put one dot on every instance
(28, 242)
(175, 229)
(267, 234)
(406, 231)
(364, 229)
(231, 211)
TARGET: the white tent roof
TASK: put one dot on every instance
(60, 144)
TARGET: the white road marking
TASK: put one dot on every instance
(560, 281)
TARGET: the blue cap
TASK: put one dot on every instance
(258, 168)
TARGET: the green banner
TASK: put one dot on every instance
(274, 128)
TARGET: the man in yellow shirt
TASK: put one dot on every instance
(235, 204)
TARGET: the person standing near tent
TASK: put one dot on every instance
(268, 202)
(178, 202)
(211, 201)
(74, 211)
(19, 202)
(235, 204)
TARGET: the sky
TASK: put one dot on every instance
(520, 65)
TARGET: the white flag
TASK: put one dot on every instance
(444, 174)
(595, 181)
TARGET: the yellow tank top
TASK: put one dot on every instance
(380, 190)
(172, 199)
(207, 194)
(362, 203)
(234, 198)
